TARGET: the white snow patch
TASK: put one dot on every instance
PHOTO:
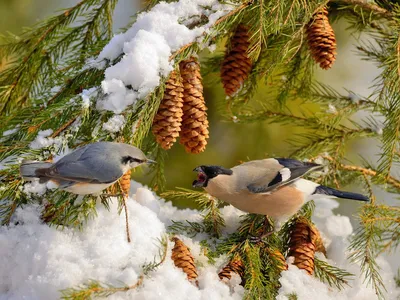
(331, 109)
(147, 47)
(86, 94)
(34, 187)
(38, 261)
(115, 124)
(11, 131)
(43, 140)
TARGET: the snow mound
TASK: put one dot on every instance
(38, 261)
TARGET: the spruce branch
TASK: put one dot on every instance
(332, 275)
(367, 171)
(50, 43)
(368, 6)
(212, 218)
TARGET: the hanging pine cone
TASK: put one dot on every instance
(302, 245)
(236, 65)
(184, 260)
(194, 133)
(125, 182)
(321, 39)
(168, 120)
(123, 185)
(235, 265)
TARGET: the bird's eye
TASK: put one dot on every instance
(130, 159)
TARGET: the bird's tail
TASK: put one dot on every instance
(324, 190)
(28, 168)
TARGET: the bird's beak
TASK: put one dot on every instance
(150, 161)
(198, 169)
(201, 180)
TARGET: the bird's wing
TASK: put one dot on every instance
(96, 168)
(288, 171)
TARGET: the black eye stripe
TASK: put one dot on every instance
(129, 159)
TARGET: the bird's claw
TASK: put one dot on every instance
(260, 238)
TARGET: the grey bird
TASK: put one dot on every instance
(272, 187)
(87, 170)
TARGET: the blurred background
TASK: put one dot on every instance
(229, 142)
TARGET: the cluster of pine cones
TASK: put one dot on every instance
(305, 241)
(182, 111)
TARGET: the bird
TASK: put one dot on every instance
(87, 170)
(273, 187)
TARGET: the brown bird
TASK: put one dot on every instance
(271, 187)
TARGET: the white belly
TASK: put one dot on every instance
(87, 188)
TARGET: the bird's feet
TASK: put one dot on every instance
(267, 230)
(260, 238)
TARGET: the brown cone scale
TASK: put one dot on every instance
(236, 65)
(168, 120)
(321, 39)
(234, 266)
(123, 184)
(194, 132)
(316, 237)
(302, 245)
(184, 260)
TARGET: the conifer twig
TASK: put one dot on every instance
(220, 20)
(390, 179)
(369, 6)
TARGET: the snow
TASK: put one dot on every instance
(38, 261)
(146, 49)
(11, 131)
(42, 140)
(115, 124)
(331, 109)
(86, 94)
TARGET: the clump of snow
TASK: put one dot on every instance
(115, 124)
(11, 131)
(147, 47)
(331, 109)
(34, 187)
(43, 140)
(86, 94)
(37, 261)
(118, 97)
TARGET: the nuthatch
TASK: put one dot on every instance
(271, 187)
(87, 170)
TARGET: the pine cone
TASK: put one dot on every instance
(302, 245)
(321, 39)
(194, 121)
(278, 256)
(168, 120)
(184, 260)
(123, 184)
(236, 65)
(235, 265)
(316, 237)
